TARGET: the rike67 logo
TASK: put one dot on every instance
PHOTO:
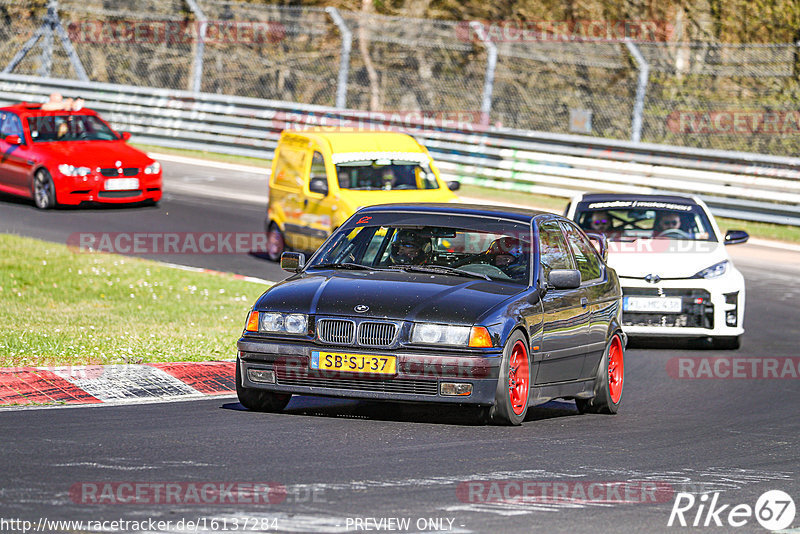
(774, 510)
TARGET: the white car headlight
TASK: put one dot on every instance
(716, 270)
(71, 170)
(153, 168)
(280, 323)
(440, 334)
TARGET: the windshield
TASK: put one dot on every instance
(471, 252)
(643, 219)
(385, 175)
(69, 128)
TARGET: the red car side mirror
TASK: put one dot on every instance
(125, 136)
(13, 140)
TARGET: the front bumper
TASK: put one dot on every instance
(418, 378)
(709, 307)
(74, 190)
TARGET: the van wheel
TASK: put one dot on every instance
(276, 243)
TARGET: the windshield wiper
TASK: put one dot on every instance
(344, 265)
(440, 269)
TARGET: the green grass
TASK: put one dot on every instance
(62, 307)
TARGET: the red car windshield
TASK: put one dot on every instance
(48, 128)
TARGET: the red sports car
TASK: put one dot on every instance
(69, 157)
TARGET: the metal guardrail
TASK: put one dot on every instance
(734, 184)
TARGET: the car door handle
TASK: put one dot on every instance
(305, 203)
(584, 301)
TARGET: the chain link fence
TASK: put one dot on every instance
(710, 95)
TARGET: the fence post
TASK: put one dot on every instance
(344, 61)
(51, 23)
(197, 65)
(491, 65)
(641, 90)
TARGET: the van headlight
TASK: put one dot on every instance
(716, 270)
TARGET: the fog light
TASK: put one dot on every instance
(263, 376)
(455, 389)
(730, 318)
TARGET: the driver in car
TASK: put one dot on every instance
(666, 222)
(507, 254)
(408, 248)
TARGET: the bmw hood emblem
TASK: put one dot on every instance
(361, 308)
(652, 278)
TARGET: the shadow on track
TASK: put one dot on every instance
(405, 412)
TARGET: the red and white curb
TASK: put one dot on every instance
(115, 383)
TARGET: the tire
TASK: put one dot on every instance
(276, 243)
(513, 384)
(258, 400)
(727, 342)
(609, 382)
(44, 190)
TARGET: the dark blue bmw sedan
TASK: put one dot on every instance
(496, 307)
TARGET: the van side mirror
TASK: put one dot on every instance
(735, 237)
(13, 140)
(293, 261)
(318, 185)
(564, 279)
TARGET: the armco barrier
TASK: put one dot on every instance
(740, 185)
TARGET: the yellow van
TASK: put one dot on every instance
(320, 178)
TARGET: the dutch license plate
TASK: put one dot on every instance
(353, 363)
(122, 184)
(645, 304)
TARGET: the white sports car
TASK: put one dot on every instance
(677, 278)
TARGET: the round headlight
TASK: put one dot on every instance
(428, 333)
(271, 322)
(295, 323)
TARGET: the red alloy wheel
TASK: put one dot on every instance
(616, 369)
(518, 378)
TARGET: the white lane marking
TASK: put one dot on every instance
(216, 192)
(264, 171)
(211, 271)
(773, 244)
(112, 382)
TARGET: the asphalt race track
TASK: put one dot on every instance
(341, 466)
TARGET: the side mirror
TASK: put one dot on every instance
(293, 261)
(454, 186)
(13, 140)
(318, 185)
(600, 242)
(125, 136)
(564, 278)
(735, 237)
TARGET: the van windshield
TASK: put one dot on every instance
(386, 175)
